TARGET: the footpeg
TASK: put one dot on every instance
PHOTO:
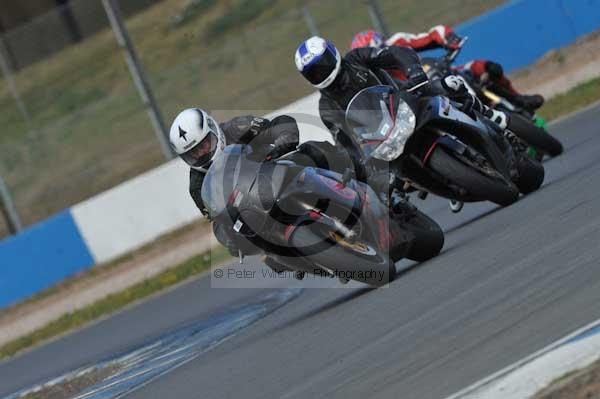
(456, 206)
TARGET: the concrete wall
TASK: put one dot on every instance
(138, 211)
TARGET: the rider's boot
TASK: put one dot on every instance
(529, 102)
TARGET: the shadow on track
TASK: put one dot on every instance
(328, 306)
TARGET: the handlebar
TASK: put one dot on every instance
(454, 53)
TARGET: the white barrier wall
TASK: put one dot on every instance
(136, 212)
(139, 210)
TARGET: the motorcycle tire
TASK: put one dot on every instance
(429, 237)
(478, 184)
(343, 259)
(531, 175)
(535, 136)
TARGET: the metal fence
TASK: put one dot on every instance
(73, 122)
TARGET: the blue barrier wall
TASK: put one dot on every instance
(521, 31)
(40, 257)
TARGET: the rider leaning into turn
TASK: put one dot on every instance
(339, 79)
(484, 72)
(198, 139)
(439, 36)
(491, 75)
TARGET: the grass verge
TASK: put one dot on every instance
(578, 97)
(117, 301)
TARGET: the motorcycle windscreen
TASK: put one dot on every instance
(228, 179)
(369, 118)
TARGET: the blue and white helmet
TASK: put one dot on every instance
(318, 61)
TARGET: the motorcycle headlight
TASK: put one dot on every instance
(393, 146)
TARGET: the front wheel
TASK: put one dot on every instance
(429, 237)
(483, 183)
(355, 260)
(531, 175)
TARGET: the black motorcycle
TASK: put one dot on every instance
(525, 124)
(437, 148)
(312, 220)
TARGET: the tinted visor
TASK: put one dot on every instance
(201, 154)
(320, 70)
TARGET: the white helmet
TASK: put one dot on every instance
(197, 138)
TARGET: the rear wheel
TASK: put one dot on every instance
(357, 260)
(429, 237)
(484, 183)
(535, 136)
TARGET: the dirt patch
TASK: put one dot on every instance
(561, 69)
(70, 387)
(582, 384)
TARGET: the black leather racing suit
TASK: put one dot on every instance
(356, 73)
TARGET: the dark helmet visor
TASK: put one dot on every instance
(321, 69)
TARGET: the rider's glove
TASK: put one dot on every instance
(468, 105)
(257, 125)
(454, 85)
(281, 149)
(457, 90)
(284, 143)
(453, 41)
(475, 105)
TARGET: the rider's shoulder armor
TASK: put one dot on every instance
(242, 129)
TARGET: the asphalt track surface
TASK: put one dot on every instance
(508, 282)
